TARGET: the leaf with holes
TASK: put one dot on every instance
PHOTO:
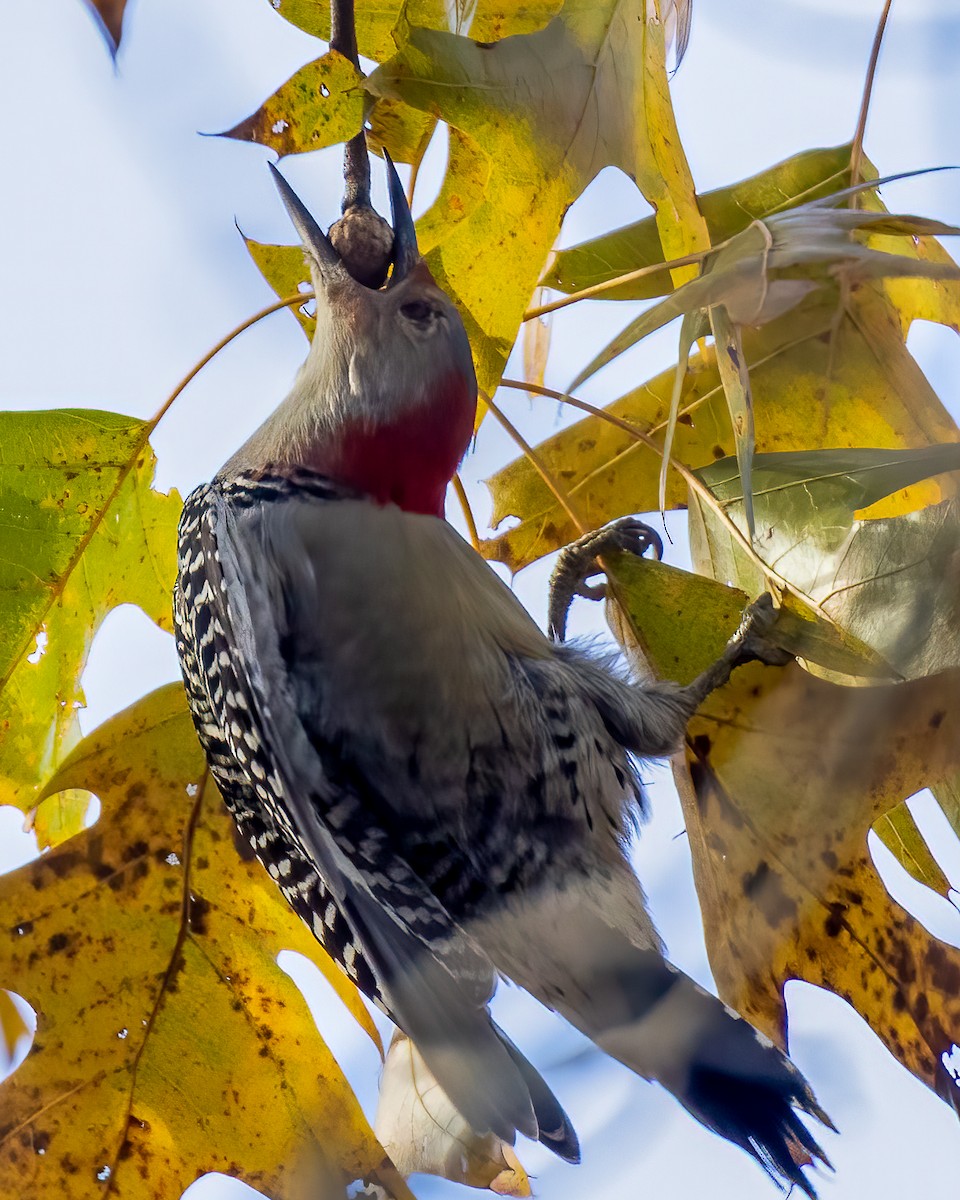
(321, 105)
(169, 1043)
(779, 834)
(83, 532)
(485, 20)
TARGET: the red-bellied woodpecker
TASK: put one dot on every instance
(443, 794)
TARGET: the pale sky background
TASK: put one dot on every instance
(122, 266)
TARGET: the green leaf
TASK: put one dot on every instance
(321, 105)
(83, 532)
(809, 175)
(802, 490)
(887, 583)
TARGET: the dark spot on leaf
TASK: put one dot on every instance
(946, 973)
(937, 719)
(197, 915)
(719, 452)
(61, 863)
(58, 942)
(834, 922)
(829, 859)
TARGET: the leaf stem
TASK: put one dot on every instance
(597, 289)
(856, 149)
(537, 462)
(467, 511)
(695, 484)
(286, 302)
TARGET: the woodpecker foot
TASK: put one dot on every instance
(579, 561)
(753, 640)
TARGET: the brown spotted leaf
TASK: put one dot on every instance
(786, 774)
(169, 1043)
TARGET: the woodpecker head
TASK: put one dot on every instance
(386, 399)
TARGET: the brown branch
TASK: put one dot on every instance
(356, 160)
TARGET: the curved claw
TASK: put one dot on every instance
(578, 561)
(754, 637)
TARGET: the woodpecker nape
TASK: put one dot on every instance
(442, 793)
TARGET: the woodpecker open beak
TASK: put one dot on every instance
(312, 236)
(406, 255)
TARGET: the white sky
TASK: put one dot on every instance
(122, 265)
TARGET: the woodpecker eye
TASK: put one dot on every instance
(417, 310)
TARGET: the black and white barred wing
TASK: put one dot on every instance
(262, 596)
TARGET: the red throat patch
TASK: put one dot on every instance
(408, 462)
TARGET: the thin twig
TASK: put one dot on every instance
(286, 302)
(856, 150)
(537, 462)
(597, 289)
(139, 445)
(467, 512)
